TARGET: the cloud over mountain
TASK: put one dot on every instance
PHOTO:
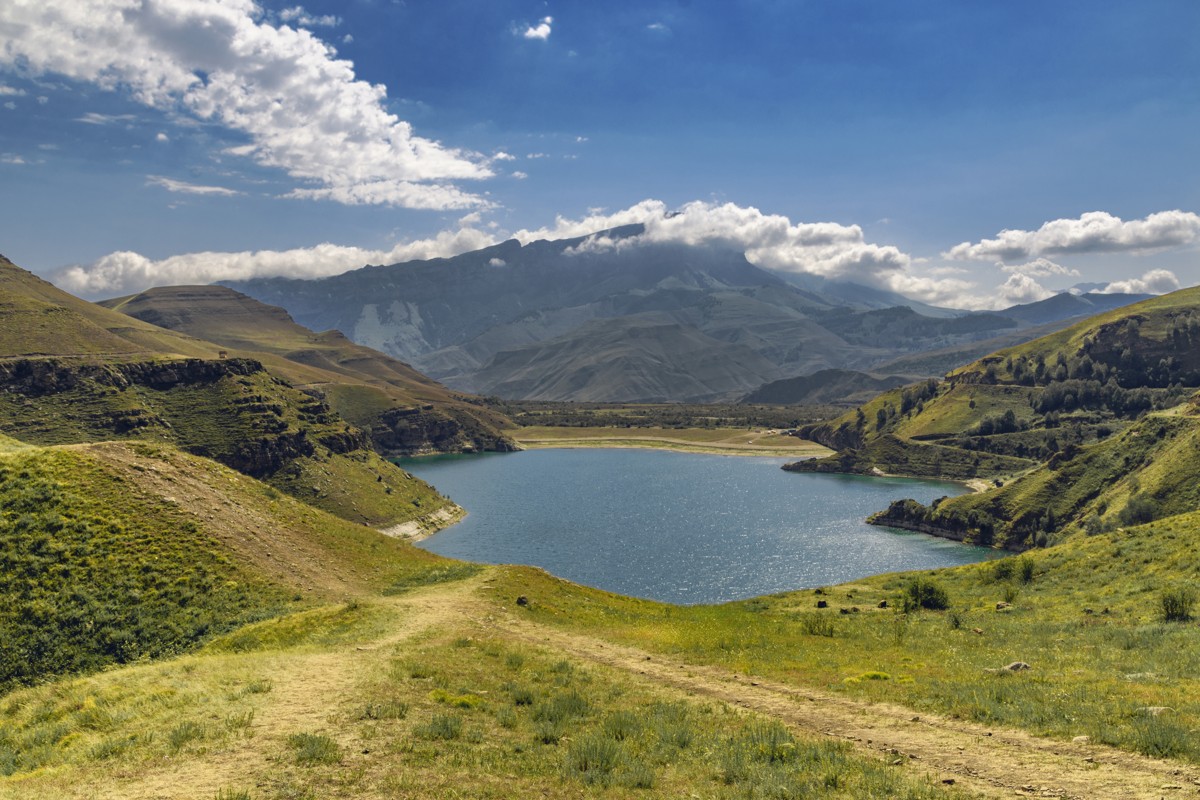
(1156, 281)
(303, 109)
(827, 249)
(126, 272)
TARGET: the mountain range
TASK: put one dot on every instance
(632, 321)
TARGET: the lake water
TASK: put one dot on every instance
(679, 527)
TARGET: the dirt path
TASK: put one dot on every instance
(310, 690)
(992, 762)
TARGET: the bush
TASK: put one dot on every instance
(1026, 569)
(925, 593)
(1139, 510)
(1177, 604)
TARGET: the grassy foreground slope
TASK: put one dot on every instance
(1089, 617)
(74, 372)
(404, 411)
(117, 552)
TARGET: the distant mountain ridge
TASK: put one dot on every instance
(572, 320)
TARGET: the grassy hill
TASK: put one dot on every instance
(403, 411)
(1018, 407)
(76, 372)
(118, 552)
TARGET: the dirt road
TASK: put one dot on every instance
(992, 762)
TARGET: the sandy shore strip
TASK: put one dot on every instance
(423, 527)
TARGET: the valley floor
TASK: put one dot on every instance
(452, 690)
(723, 441)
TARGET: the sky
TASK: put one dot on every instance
(967, 154)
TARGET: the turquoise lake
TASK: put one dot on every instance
(679, 527)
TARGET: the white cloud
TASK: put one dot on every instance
(221, 61)
(581, 139)
(9, 91)
(658, 27)
(1156, 281)
(182, 187)
(298, 15)
(503, 156)
(12, 158)
(10, 105)
(126, 272)
(828, 249)
(42, 99)
(162, 137)
(347, 39)
(497, 262)
(1094, 232)
(534, 156)
(539, 31)
(1040, 268)
(520, 175)
(1021, 288)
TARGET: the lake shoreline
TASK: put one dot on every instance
(678, 527)
(677, 445)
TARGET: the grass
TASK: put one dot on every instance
(1087, 615)
(536, 726)
(97, 575)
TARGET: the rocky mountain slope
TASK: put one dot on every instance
(567, 320)
(402, 411)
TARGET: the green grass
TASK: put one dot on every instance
(542, 726)
(1087, 615)
(95, 574)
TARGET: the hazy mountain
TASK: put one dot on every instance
(545, 320)
(1066, 305)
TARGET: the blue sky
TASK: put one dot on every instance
(964, 153)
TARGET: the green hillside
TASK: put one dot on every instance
(1020, 406)
(119, 552)
(76, 372)
(403, 411)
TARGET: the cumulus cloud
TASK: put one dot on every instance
(540, 31)
(1094, 232)
(222, 61)
(9, 91)
(1156, 281)
(183, 187)
(126, 272)
(1021, 288)
(12, 158)
(497, 262)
